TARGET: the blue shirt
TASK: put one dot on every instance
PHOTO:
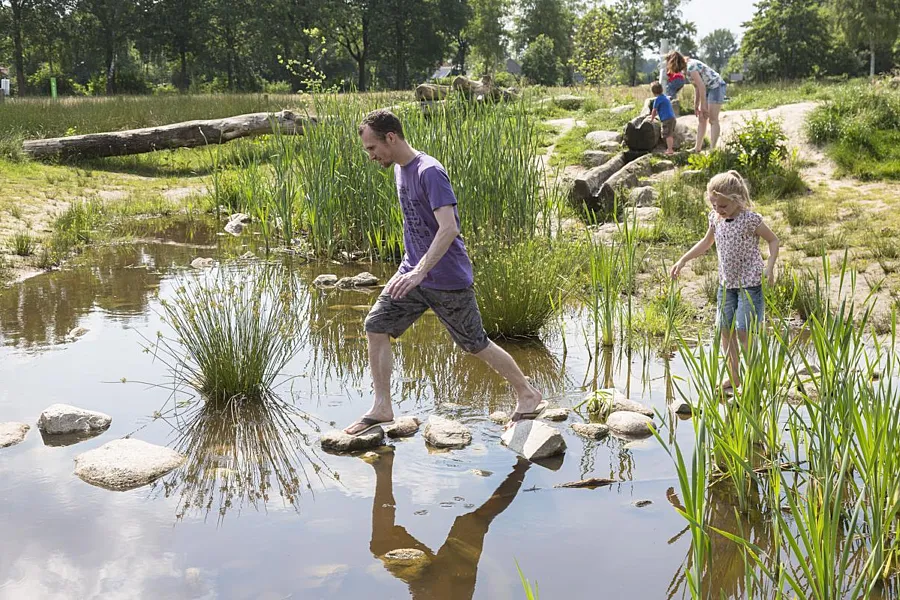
(423, 187)
(663, 107)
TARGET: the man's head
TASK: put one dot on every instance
(656, 88)
(381, 134)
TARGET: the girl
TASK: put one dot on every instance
(709, 94)
(736, 230)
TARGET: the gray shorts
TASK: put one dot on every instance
(456, 309)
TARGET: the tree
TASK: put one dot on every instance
(550, 18)
(874, 23)
(487, 33)
(630, 25)
(594, 46)
(718, 47)
(540, 62)
(19, 12)
(353, 22)
(179, 26)
(666, 21)
(110, 20)
(785, 39)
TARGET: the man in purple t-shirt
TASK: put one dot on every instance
(435, 273)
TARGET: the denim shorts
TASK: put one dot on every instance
(740, 307)
(716, 95)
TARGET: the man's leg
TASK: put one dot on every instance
(528, 397)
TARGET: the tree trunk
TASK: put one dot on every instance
(19, 51)
(183, 83)
(871, 56)
(363, 82)
(190, 134)
(110, 67)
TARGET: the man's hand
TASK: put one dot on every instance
(401, 285)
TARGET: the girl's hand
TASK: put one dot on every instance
(676, 269)
(770, 277)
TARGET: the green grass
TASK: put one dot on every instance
(23, 244)
(571, 146)
(75, 228)
(744, 96)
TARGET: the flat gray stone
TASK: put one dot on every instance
(555, 414)
(61, 419)
(202, 263)
(364, 279)
(624, 108)
(614, 400)
(499, 417)
(643, 196)
(610, 146)
(629, 424)
(126, 464)
(235, 227)
(595, 138)
(338, 441)
(445, 433)
(594, 431)
(534, 440)
(662, 166)
(595, 158)
(402, 427)
(240, 218)
(325, 279)
(12, 433)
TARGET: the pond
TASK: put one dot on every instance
(475, 512)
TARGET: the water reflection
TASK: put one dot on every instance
(451, 572)
(240, 453)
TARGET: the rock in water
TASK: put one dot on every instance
(444, 433)
(325, 280)
(613, 400)
(499, 417)
(402, 427)
(338, 441)
(12, 433)
(681, 407)
(555, 414)
(59, 419)
(77, 333)
(405, 555)
(590, 483)
(126, 464)
(202, 263)
(534, 440)
(594, 431)
(629, 424)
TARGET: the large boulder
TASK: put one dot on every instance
(534, 440)
(595, 138)
(568, 101)
(445, 433)
(63, 419)
(587, 185)
(338, 441)
(683, 137)
(641, 134)
(624, 179)
(643, 196)
(629, 424)
(126, 464)
(12, 433)
(595, 158)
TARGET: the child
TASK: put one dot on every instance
(675, 81)
(736, 230)
(662, 106)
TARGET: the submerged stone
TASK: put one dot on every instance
(445, 433)
(594, 431)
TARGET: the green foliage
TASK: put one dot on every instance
(540, 63)
(593, 46)
(23, 244)
(552, 19)
(522, 286)
(72, 230)
(486, 32)
(718, 47)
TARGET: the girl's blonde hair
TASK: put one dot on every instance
(732, 186)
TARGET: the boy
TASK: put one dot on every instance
(662, 107)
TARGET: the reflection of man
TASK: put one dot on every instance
(450, 574)
(435, 273)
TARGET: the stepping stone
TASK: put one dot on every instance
(499, 417)
(61, 419)
(629, 424)
(681, 407)
(202, 263)
(126, 464)
(402, 427)
(445, 433)
(616, 401)
(590, 483)
(594, 431)
(325, 280)
(12, 434)
(338, 441)
(555, 414)
(534, 440)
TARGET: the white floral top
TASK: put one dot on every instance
(710, 78)
(740, 261)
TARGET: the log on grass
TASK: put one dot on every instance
(190, 134)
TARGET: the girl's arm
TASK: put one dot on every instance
(699, 248)
(771, 239)
(699, 93)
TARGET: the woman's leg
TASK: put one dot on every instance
(701, 132)
(714, 128)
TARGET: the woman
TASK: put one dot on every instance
(709, 94)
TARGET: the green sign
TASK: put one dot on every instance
(53, 87)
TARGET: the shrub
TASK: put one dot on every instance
(23, 244)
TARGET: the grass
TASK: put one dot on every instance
(743, 96)
(23, 244)
(235, 331)
(571, 146)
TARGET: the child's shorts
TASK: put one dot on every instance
(740, 307)
(668, 128)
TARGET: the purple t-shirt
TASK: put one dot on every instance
(423, 187)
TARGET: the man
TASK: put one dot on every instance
(435, 273)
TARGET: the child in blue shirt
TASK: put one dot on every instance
(662, 107)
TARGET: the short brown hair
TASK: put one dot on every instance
(675, 62)
(382, 122)
(656, 88)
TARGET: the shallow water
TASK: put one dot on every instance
(181, 538)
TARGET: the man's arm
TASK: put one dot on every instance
(447, 231)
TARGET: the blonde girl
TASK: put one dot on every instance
(735, 230)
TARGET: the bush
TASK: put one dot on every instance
(505, 79)
(540, 63)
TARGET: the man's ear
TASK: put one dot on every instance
(390, 137)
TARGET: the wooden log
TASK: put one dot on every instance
(430, 92)
(189, 134)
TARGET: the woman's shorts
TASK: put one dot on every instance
(716, 95)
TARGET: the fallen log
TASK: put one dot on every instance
(189, 134)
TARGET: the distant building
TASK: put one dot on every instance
(443, 71)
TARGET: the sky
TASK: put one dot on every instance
(715, 14)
